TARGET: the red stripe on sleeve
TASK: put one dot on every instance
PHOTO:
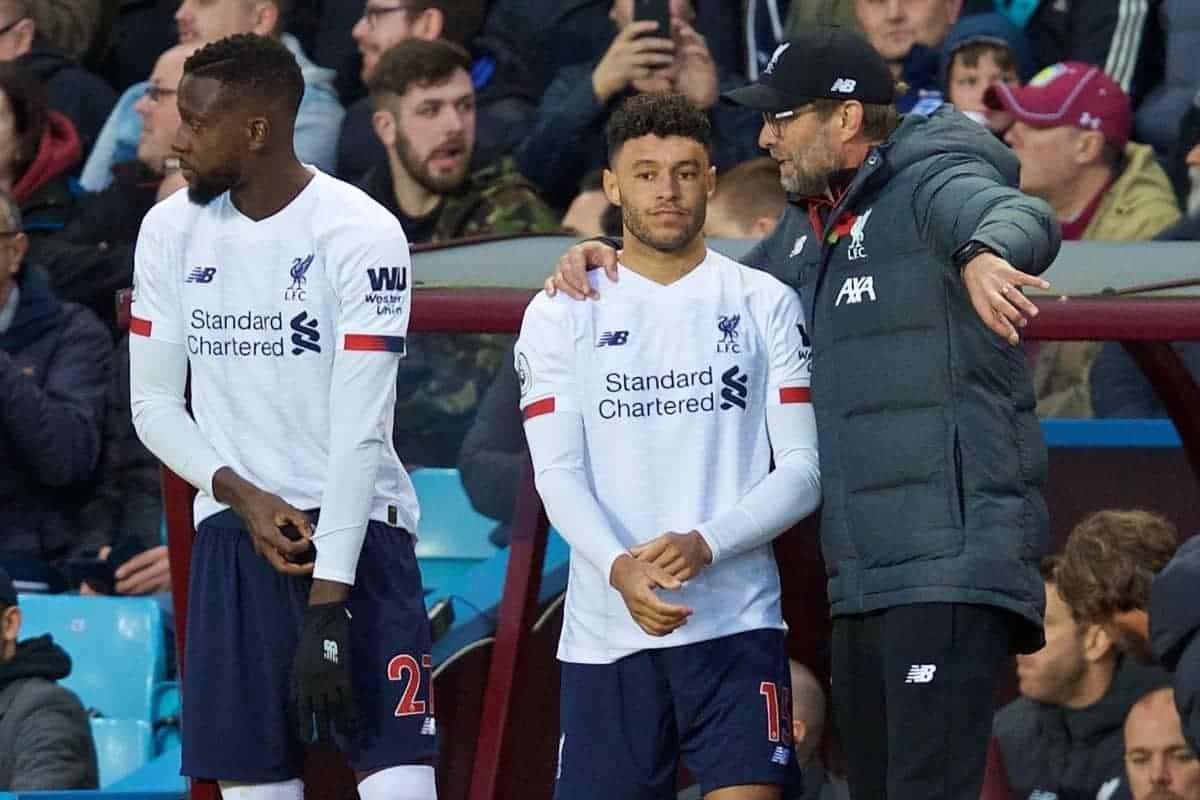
(795, 394)
(139, 326)
(544, 406)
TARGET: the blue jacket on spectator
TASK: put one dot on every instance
(54, 372)
(1175, 632)
(317, 124)
(84, 98)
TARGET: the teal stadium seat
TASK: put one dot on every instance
(123, 746)
(452, 536)
(116, 644)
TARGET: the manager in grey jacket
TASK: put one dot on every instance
(932, 461)
(45, 738)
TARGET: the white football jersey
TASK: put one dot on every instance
(261, 308)
(672, 384)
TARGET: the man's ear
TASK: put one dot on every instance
(258, 131)
(1097, 643)
(611, 190)
(266, 19)
(1089, 147)
(849, 120)
(10, 624)
(384, 123)
(429, 24)
(710, 178)
(24, 31)
(799, 731)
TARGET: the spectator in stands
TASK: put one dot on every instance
(983, 49)
(504, 91)
(141, 32)
(1127, 571)
(1159, 114)
(70, 26)
(567, 138)
(1123, 37)
(426, 119)
(317, 124)
(1062, 737)
(808, 729)
(54, 371)
(591, 213)
(45, 736)
(909, 35)
(747, 203)
(770, 23)
(124, 511)
(1072, 136)
(552, 34)
(38, 149)
(84, 98)
(1159, 762)
(91, 258)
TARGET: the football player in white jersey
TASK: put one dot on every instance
(653, 416)
(286, 294)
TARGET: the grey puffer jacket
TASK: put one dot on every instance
(932, 461)
(45, 738)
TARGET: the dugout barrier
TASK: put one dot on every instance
(497, 697)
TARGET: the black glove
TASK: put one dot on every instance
(321, 685)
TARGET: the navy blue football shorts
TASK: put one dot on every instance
(723, 706)
(244, 621)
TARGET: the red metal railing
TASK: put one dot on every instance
(1144, 326)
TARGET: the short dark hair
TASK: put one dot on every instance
(416, 61)
(252, 66)
(657, 114)
(752, 188)
(972, 52)
(1110, 560)
(27, 100)
(1049, 567)
(880, 120)
(461, 19)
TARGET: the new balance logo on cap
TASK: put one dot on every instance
(331, 651)
(844, 86)
(921, 673)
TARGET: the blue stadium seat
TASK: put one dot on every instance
(116, 644)
(122, 747)
(452, 536)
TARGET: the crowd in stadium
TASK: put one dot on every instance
(487, 117)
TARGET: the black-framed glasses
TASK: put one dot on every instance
(372, 14)
(156, 93)
(12, 25)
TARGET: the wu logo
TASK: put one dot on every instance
(613, 339)
(729, 334)
(392, 279)
(331, 651)
(921, 673)
(735, 391)
(201, 275)
(857, 231)
(844, 86)
(299, 275)
(855, 288)
(305, 335)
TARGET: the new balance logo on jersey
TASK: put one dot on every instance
(727, 325)
(299, 275)
(858, 230)
(735, 391)
(392, 279)
(201, 275)
(613, 339)
(305, 336)
(331, 651)
(844, 86)
(854, 289)
(921, 673)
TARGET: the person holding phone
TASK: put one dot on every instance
(654, 49)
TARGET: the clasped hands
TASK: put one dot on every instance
(662, 563)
